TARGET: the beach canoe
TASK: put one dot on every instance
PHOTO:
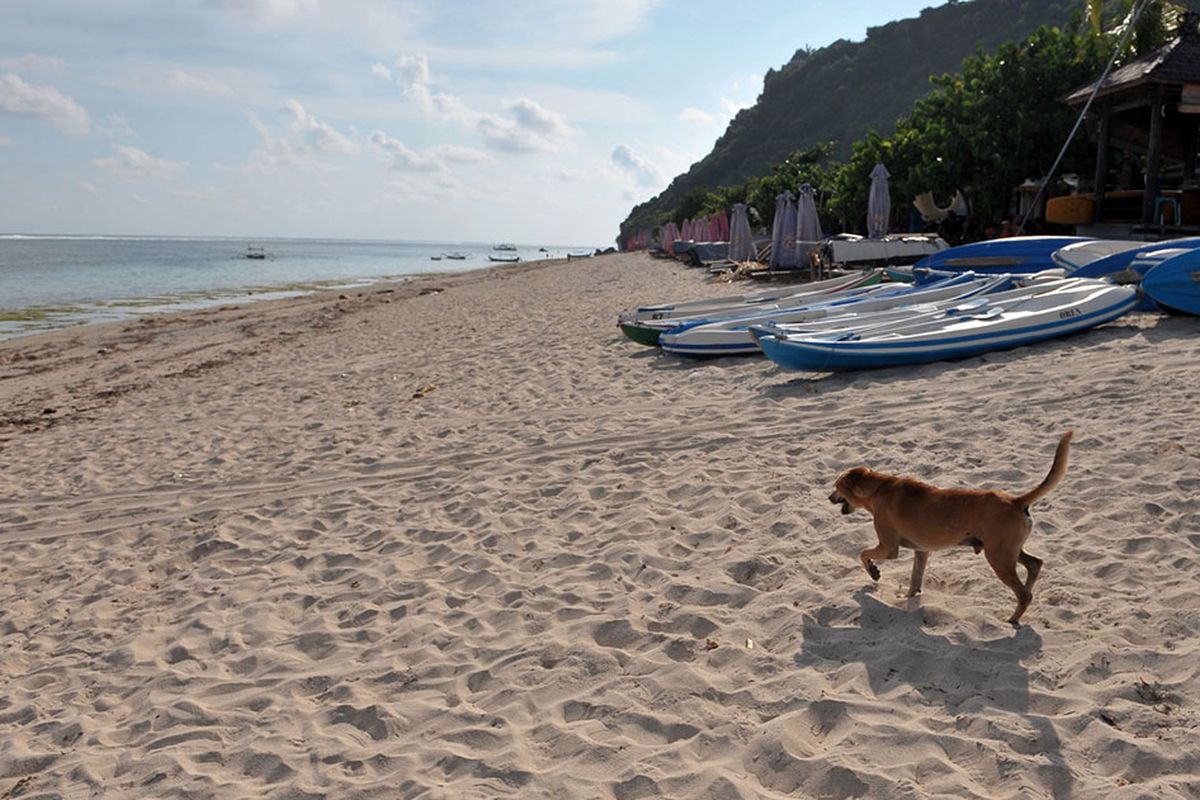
(1013, 254)
(1174, 284)
(733, 336)
(1130, 265)
(1043, 311)
(1101, 257)
(645, 323)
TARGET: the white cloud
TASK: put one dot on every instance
(530, 128)
(402, 157)
(412, 75)
(115, 126)
(435, 159)
(525, 127)
(194, 194)
(316, 136)
(458, 153)
(568, 175)
(303, 142)
(690, 114)
(732, 107)
(131, 163)
(32, 62)
(197, 84)
(42, 102)
(629, 162)
(88, 186)
(266, 11)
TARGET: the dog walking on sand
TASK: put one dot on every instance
(924, 518)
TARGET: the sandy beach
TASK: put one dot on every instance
(458, 538)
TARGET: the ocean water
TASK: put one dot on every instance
(49, 282)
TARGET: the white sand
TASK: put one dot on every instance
(239, 559)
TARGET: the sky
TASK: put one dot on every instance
(535, 121)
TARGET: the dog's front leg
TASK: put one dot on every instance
(920, 558)
(888, 548)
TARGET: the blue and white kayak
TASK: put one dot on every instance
(1023, 316)
(1130, 265)
(733, 337)
(1174, 283)
(1102, 257)
(769, 297)
(1014, 254)
(645, 324)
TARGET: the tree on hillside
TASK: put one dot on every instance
(998, 122)
(803, 166)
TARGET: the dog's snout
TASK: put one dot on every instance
(835, 498)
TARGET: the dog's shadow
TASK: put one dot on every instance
(963, 676)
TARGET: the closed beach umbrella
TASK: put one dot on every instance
(741, 240)
(879, 204)
(808, 224)
(669, 235)
(783, 232)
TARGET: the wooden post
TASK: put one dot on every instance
(1102, 161)
(1153, 157)
(1193, 141)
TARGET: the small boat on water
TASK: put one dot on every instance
(255, 254)
(457, 256)
(435, 258)
(644, 324)
(1044, 310)
(508, 259)
(505, 246)
(733, 336)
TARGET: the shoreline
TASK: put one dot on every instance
(57, 282)
(458, 537)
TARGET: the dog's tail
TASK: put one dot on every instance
(1057, 470)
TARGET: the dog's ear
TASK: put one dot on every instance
(855, 476)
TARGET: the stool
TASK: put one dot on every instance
(1166, 210)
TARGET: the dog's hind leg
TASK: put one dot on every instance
(1005, 566)
(920, 557)
(1033, 565)
(887, 549)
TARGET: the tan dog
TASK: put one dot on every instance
(909, 513)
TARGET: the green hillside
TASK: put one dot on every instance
(838, 93)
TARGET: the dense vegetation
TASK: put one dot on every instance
(996, 121)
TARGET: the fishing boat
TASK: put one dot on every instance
(505, 246)
(457, 256)
(644, 324)
(733, 336)
(255, 253)
(508, 259)
(1174, 283)
(1013, 254)
(1022, 316)
(435, 258)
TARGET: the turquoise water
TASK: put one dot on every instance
(55, 281)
